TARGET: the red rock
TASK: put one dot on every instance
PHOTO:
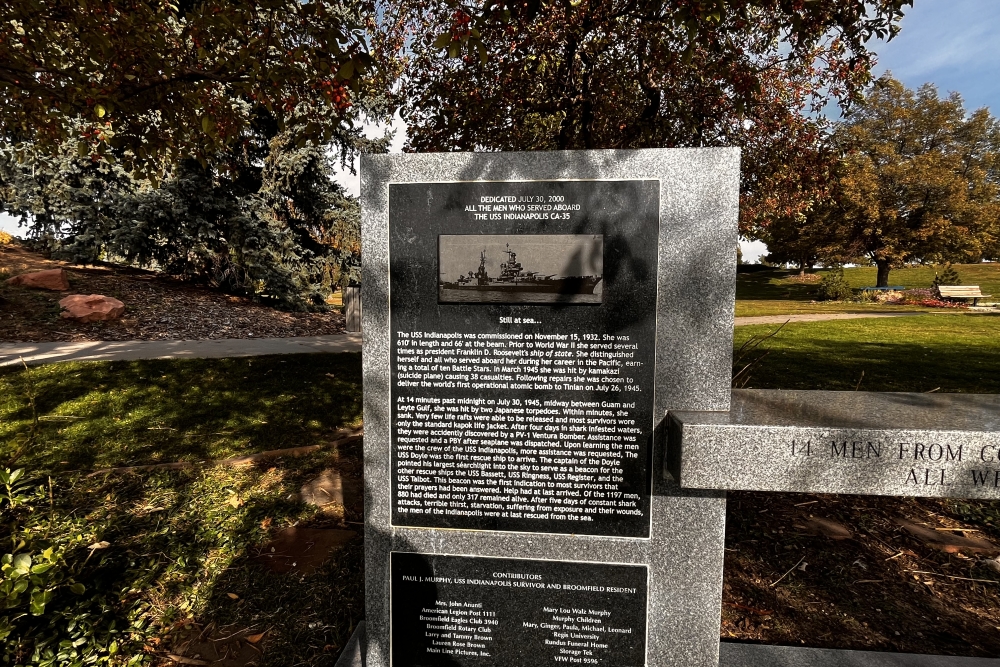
(53, 279)
(947, 540)
(827, 528)
(91, 308)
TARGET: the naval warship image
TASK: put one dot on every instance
(511, 283)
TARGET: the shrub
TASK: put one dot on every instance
(5, 238)
(949, 276)
(833, 287)
(47, 617)
(865, 296)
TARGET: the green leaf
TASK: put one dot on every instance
(346, 70)
(442, 40)
(78, 588)
(22, 563)
(41, 568)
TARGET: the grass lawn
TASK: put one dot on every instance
(780, 291)
(103, 414)
(956, 353)
(178, 551)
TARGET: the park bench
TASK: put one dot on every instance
(962, 292)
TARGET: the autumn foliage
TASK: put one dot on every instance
(615, 74)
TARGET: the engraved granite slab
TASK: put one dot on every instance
(899, 444)
(696, 202)
(450, 611)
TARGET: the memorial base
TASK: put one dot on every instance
(761, 655)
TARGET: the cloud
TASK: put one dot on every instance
(953, 44)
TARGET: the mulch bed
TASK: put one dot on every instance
(157, 307)
(866, 573)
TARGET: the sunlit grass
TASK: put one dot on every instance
(955, 353)
(101, 414)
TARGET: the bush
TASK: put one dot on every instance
(833, 287)
(47, 617)
(5, 238)
(949, 276)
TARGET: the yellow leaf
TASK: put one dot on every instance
(100, 111)
(234, 500)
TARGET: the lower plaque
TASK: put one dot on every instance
(471, 611)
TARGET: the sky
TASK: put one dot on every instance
(954, 44)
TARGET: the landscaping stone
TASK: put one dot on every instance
(948, 541)
(325, 492)
(52, 279)
(826, 528)
(91, 308)
(303, 550)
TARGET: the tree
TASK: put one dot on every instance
(918, 180)
(273, 227)
(152, 82)
(617, 74)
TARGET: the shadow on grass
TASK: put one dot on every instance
(306, 620)
(102, 414)
(773, 286)
(181, 544)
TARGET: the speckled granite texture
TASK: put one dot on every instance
(353, 654)
(756, 655)
(695, 303)
(899, 444)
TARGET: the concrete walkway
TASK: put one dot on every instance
(43, 353)
(819, 317)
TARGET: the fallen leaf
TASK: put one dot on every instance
(233, 596)
(99, 545)
(253, 639)
(235, 501)
(187, 661)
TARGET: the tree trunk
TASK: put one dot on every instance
(882, 277)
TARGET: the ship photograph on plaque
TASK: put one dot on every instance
(521, 268)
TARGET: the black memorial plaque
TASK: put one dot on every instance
(467, 611)
(523, 325)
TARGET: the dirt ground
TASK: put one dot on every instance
(156, 307)
(867, 573)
